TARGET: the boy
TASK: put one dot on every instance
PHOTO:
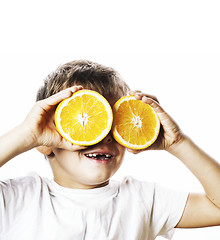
(81, 202)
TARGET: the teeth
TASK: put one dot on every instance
(94, 155)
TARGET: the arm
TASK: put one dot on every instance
(201, 209)
(14, 143)
(37, 130)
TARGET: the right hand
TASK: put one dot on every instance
(40, 124)
(170, 133)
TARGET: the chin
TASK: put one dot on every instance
(97, 180)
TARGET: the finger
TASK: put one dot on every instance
(77, 147)
(164, 117)
(134, 151)
(153, 103)
(48, 103)
(64, 144)
(56, 98)
(152, 97)
(139, 95)
(132, 92)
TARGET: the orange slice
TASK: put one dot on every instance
(85, 118)
(136, 124)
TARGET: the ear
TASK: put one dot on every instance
(45, 150)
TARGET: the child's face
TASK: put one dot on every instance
(88, 168)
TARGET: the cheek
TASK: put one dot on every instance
(66, 159)
(121, 150)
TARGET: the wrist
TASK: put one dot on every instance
(26, 136)
(177, 146)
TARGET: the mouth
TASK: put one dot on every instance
(100, 157)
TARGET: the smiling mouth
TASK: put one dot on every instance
(99, 156)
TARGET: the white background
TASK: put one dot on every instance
(167, 48)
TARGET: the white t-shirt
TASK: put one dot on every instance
(37, 208)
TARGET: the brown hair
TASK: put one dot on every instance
(90, 75)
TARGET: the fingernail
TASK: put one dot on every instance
(145, 99)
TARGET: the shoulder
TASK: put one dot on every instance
(18, 196)
(147, 187)
(13, 188)
(31, 178)
(133, 184)
(164, 206)
(137, 191)
(151, 193)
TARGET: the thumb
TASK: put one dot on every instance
(64, 144)
(134, 151)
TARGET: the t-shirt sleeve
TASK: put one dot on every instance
(166, 209)
(14, 194)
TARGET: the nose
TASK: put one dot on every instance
(108, 138)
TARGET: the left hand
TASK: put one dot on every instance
(170, 133)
